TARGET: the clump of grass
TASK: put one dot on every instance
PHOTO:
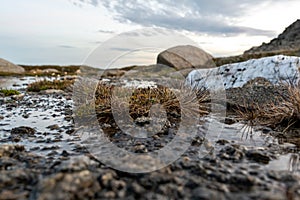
(249, 113)
(46, 85)
(140, 101)
(9, 92)
(285, 113)
(282, 114)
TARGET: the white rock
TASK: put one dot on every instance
(276, 69)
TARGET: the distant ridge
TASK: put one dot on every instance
(287, 42)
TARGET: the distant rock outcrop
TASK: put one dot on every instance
(288, 41)
(185, 57)
(10, 68)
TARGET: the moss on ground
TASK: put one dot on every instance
(46, 85)
(9, 92)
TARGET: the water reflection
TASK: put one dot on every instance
(21, 83)
(253, 137)
(294, 162)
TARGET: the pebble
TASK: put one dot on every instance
(53, 127)
(77, 185)
(258, 156)
(23, 130)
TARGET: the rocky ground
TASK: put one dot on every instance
(42, 157)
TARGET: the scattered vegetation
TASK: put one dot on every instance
(51, 70)
(42, 70)
(46, 84)
(8, 92)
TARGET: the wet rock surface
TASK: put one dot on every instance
(49, 161)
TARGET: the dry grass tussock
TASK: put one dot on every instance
(138, 102)
(283, 115)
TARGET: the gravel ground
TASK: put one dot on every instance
(46, 160)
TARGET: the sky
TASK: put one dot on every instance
(67, 31)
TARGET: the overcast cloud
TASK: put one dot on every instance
(213, 17)
(65, 32)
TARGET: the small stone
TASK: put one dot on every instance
(70, 131)
(119, 186)
(25, 116)
(138, 189)
(232, 152)
(16, 138)
(18, 97)
(77, 185)
(53, 127)
(65, 153)
(241, 180)
(23, 130)
(107, 178)
(230, 121)
(222, 142)
(110, 195)
(258, 156)
(140, 149)
(9, 150)
(76, 164)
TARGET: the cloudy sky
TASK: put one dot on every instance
(66, 31)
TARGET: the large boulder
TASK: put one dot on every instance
(10, 68)
(275, 69)
(185, 57)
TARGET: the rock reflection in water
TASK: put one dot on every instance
(294, 162)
